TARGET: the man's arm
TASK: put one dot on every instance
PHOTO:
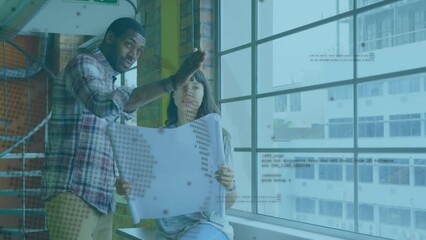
(152, 91)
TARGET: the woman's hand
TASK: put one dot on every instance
(122, 186)
(225, 175)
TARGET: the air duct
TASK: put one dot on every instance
(35, 67)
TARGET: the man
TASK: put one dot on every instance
(78, 173)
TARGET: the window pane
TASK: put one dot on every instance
(330, 208)
(392, 35)
(235, 29)
(306, 119)
(392, 194)
(289, 186)
(420, 219)
(275, 16)
(330, 169)
(420, 172)
(395, 216)
(363, 3)
(390, 115)
(130, 80)
(404, 125)
(236, 74)
(243, 176)
(365, 170)
(311, 57)
(305, 205)
(365, 212)
(236, 119)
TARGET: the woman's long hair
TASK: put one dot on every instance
(207, 105)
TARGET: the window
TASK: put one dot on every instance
(331, 172)
(128, 79)
(420, 172)
(295, 104)
(405, 125)
(340, 93)
(420, 219)
(281, 103)
(370, 90)
(399, 86)
(395, 171)
(307, 170)
(305, 205)
(330, 208)
(340, 128)
(365, 212)
(365, 173)
(324, 88)
(371, 126)
(395, 216)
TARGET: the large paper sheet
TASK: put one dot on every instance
(171, 171)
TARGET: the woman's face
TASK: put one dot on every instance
(189, 96)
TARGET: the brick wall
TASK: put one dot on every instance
(201, 35)
(149, 67)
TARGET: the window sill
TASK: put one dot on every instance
(251, 229)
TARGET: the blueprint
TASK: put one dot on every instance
(171, 170)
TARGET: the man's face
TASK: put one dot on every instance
(125, 50)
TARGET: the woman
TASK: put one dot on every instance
(188, 103)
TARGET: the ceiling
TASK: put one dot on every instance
(72, 17)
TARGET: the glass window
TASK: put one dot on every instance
(420, 219)
(317, 55)
(275, 16)
(308, 96)
(331, 172)
(420, 172)
(330, 208)
(130, 80)
(236, 74)
(340, 128)
(243, 174)
(365, 172)
(305, 170)
(295, 102)
(307, 127)
(340, 93)
(394, 171)
(407, 85)
(363, 3)
(281, 103)
(365, 212)
(405, 125)
(395, 216)
(237, 30)
(389, 38)
(371, 126)
(305, 205)
(373, 89)
(234, 120)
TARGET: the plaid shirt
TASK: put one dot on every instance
(79, 154)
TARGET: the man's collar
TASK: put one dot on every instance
(104, 62)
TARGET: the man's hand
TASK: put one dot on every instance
(122, 186)
(190, 66)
